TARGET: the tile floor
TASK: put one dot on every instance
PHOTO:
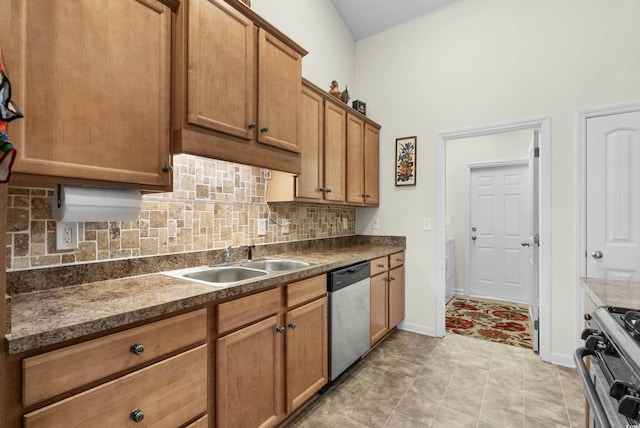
(419, 381)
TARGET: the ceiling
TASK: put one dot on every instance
(367, 17)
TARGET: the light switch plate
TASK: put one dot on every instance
(66, 235)
(375, 223)
(426, 223)
(262, 226)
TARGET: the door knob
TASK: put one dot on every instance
(597, 254)
(525, 244)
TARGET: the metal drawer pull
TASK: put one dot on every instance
(292, 325)
(264, 129)
(137, 348)
(136, 415)
(252, 125)
(391, 278)
(279, 329)
(381, 266)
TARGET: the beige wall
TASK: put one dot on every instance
(501, 147)
(484, 62)
(214, 204)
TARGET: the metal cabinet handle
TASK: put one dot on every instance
(280, 329)
(327, 190)
(381, 266)
(391, 278)
(597, 254)
(136, 415)
(137, 348)
(322, 189)
(264, 129)
(167, 169)
(252, 125)
(525, 244)
(292, 325)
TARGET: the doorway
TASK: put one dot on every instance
(542, 126)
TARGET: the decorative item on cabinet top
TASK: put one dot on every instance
(360, 107)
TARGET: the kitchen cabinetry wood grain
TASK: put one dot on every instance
(371, 164)
(93, 81)
(335, 148)
(169, 393)
(355, 159)
(310, 182)
(53, 373)
(387, 294)
(238, 86)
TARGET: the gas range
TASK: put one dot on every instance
(612, 382)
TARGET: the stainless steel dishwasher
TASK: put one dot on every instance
(349, 302)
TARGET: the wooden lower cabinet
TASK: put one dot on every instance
(268, 369)
(307, 367)
(387, 295)
(166, 394)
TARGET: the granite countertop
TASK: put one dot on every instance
(49, 317)
(605, 292)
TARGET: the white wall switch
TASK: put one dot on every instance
(426, 223)
(262, 226)
(345, 223)
(375, 223)
(447, 221)
(285, 227)
(66, 235)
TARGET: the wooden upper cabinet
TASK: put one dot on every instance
(238, 86)
(221, 98)
(371, 164)
(311, 179)
(93, 81)
(334, 152)
(355, 159)
(280, 84)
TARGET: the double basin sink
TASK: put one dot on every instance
(228, 275)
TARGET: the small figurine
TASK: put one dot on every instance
(333, 89)
(345, 95)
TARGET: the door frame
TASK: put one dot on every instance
(543, 125)
(467, 209)
(581, 200)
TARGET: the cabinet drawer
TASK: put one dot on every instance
(170, 393)
(379, 265)
(56, 372)
(203, 422)
(308, 289)
(245, 310)
(396, 260)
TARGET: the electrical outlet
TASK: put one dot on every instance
(345, 223)
(375, 223)
(66, 236)
(285, 227)
(262, 226)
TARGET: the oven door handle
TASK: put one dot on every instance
(595, 405)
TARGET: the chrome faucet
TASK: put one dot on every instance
(230, 251)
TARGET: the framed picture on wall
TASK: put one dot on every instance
(406, 161)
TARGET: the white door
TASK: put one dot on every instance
(533, 243)
(498, 262)
(613, 196)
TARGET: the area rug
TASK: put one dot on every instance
(489, 320)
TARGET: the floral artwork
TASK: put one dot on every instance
(406, 161)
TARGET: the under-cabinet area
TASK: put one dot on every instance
(250, 355)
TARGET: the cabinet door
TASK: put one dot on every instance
(396, 296)
(93, 80)
(221, 73)
(334, 152)
(355, 159)
(249, 376)
(371, 165)
(307, 354)
(280, 86)
(311, 133)
(379, 314)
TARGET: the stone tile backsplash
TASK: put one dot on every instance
(214, 204)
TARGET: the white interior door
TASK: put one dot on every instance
(498, 261)
(613, 196)
(533, 243)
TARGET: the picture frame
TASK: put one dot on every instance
(406, 161)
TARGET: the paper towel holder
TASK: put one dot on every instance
(95, 204)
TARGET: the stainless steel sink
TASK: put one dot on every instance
(272, 265)
(220, 276)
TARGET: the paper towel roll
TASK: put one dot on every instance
(75, 204)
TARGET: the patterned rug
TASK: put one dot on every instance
(493, 320)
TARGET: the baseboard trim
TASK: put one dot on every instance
(416, 328)
(563, 360)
